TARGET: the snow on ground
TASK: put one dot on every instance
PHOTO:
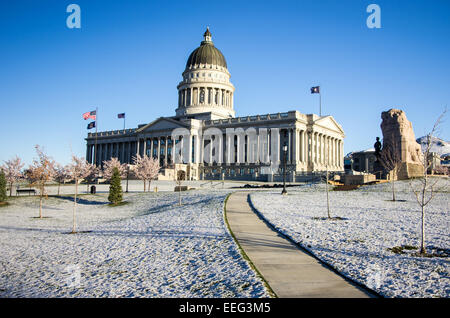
(358, 245)
(136, 186)
(150, 247)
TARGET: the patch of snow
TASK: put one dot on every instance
(438, 146)
(358, 246)
(150, 247)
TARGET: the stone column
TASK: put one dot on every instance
(87, 153)
(289, 152)
(166, 151)
(190, 149)
(145, 146)
(301, 146)
(159, 148)
(151, 147)
(295, 145)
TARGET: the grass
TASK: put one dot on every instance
(118, 204)
(401, 249)
(333, 218)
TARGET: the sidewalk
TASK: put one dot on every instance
(289, 271)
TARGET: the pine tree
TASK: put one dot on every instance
(115, 188)
(2, 186)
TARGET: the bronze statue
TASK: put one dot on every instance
(377, 147)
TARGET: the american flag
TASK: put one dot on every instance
(92, 115)
(122, 115)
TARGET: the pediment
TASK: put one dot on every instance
(330, 123)
(161, 124)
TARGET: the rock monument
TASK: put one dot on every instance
(397, 131)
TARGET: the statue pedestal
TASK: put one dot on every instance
(409, 170)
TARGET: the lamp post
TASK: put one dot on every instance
(284, 192)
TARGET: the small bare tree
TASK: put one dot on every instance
(12, 169)
(424, 188)
(326, 174)
(40, 172)
(79, 169)
(390, 160)
(61, 174)
(109, 165)
(146, 169)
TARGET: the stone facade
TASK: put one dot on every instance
(205, 103)
(398, 132)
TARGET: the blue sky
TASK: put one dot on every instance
(128, 57)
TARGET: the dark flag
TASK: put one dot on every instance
(92, 114)
(122, 115)
(91, 125)
(315, 90)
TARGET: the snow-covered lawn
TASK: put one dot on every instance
(150, 247)
(358, 245)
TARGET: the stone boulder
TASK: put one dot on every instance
(397, 131)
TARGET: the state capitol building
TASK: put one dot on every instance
(205, 103)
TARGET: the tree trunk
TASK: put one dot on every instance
(10, 189)
(59, 185)
(74, 207)
(393, 190)
(328, 200)
(422, 244)
(145, 181)
(149, 183)
(40, 206)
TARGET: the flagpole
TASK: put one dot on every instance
(124, 122)
(320, 103)
(95, 153)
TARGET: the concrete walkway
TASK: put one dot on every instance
(289, 271)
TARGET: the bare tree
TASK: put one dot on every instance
(326, 167)
(146, 169)
(424, 188)
(79, 169)
(40, 172)
(390, 160)
(109, 165)
(61, 174)
(12, 169)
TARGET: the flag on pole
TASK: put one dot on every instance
(122, 115)
(91, 125)
(315, 90)
(92, 115)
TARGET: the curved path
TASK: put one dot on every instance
(288, 270)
